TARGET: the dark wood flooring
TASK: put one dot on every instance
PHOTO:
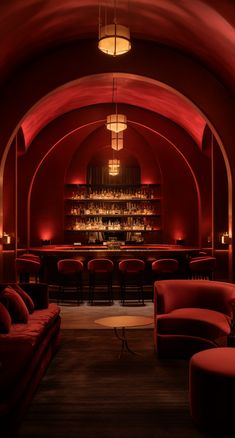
(88, 392)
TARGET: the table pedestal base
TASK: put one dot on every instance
(124, 346)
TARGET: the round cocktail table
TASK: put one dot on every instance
(121, 322)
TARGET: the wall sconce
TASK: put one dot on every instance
(225, 238)
(5, 239)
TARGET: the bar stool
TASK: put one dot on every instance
(70, 278)
(100, 275)
(30, 256)
(131, 272)
(202, 268)
(165, 269)
(27, 268)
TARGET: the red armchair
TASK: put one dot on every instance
(190, 316)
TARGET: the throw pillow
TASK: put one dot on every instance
(25, 297)
(15, 305)
(5, 319)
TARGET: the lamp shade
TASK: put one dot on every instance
(114, 39)
(117, 140)
(116, 122)
(114, 166)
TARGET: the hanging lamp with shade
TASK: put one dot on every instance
(116, 122)
(114, 166)
(114, 38)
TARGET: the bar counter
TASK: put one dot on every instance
(148, 252)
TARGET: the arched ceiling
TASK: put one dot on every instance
(202, 29)
(131, 90)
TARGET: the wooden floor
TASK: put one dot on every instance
(88, 392)
(83, 316)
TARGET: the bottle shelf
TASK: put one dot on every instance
(112, 209)
(112, 230)
(113, 215)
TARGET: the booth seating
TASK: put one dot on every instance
(100, 278)
(212, 389)
(70, 278)
(27, 268)
(131, 278)
(190, 316)
(202, 268)
(29, 338)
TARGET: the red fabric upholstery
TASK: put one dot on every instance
(69, 266)
(25, 297)
(100, 265)
(165, 266)
(202, 267)
(195, 322)
(187, 309)
(211, 390)
(5, 319)
(25, 353)
(131, 265)
(25, 265)
(15, 305)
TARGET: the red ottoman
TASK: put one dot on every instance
(212, 389)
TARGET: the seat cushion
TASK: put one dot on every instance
(204, 323)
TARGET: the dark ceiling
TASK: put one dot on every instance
(201, 29)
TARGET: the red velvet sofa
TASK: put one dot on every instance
(25, 352)
(191, 315)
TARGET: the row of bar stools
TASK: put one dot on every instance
(101, 277)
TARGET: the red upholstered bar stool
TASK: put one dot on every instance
(100, 278)
(70, 278)
(131, 278)
(30, 256)
(27, 268)
(202, 268)
(165, 269)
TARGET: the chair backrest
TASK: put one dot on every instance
(202, 267)
(27, 266)
(100, 265)
(205, 294)
(131, 265)
(30, 256)
(165, 266)
(69, 266)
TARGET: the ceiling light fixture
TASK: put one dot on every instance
(116, 122)
(114, 166)
(114, 39)
(117, 140)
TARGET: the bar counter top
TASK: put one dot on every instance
(143, 248)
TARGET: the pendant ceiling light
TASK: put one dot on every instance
(114, 166)
(116, 122)
(117, 140)
(114, 38)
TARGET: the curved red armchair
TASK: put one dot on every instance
(190, 316)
